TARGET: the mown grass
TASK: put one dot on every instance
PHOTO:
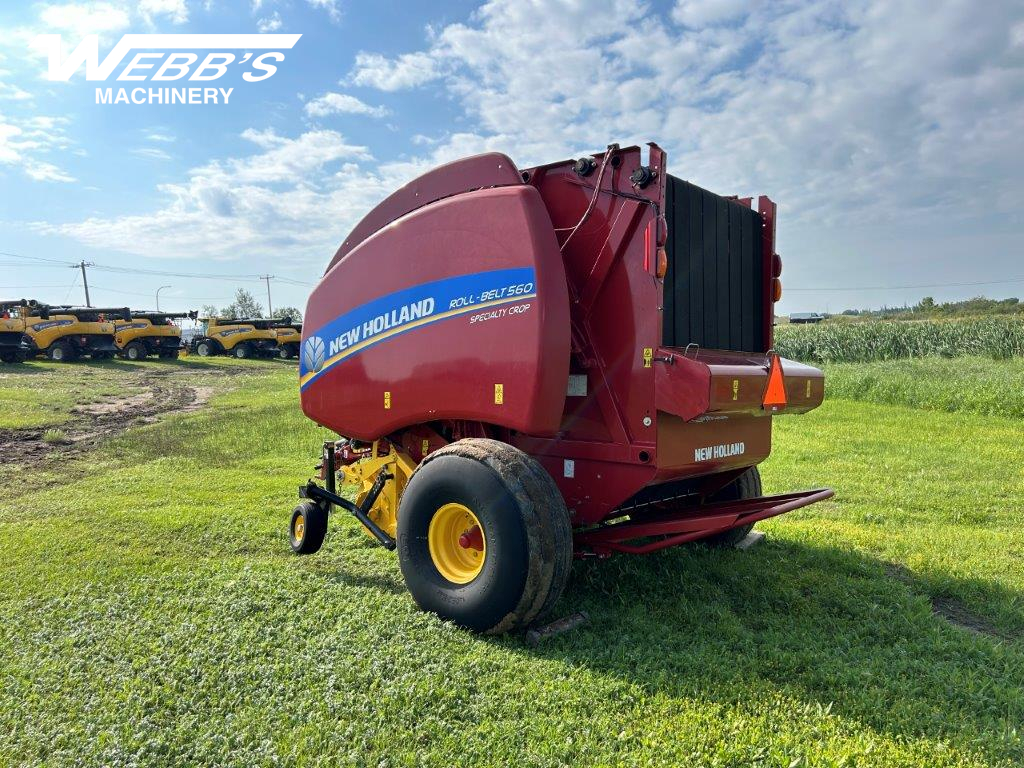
(151, 614)
(966, 384)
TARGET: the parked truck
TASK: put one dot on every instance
(527, 365)
(150, 333)
(241, 337)
(64, 333)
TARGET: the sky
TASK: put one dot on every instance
(890, 133)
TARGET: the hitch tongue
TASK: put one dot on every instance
(327, 495)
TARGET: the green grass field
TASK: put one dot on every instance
(151, 612)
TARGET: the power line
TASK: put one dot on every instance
(147, 295)
(36, 258)
(159, 272)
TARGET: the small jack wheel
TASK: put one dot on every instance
(308, 528)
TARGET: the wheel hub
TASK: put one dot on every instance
(458, 546)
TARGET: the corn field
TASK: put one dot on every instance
(997, 338)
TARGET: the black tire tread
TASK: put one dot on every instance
(547, 570)
(316, 528)
(746, 486)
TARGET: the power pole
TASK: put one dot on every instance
(270, 309)
(85, 280)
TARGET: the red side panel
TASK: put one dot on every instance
(458, 310)
(489, 170)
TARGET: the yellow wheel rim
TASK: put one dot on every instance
(300, 527)
(457, 543)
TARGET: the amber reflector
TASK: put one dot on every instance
(776, 289)
(776, 265)
(662, 263)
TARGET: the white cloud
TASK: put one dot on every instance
(175, 10)
(406, 71)
(82, 19)
(270, 24)
(151, 153)
(330, 6)
(867, 103)
(42, 171)
(333, 103)
(701, 13)
(294, 193)
(24, 142)
(158, 135)
(11, 92)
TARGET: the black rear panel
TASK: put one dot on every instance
(714, 291)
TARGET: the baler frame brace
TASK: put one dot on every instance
(671, 529)
(329, 497)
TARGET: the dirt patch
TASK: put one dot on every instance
(115, 405)
(93, 423)
(200, 397)
(948, 608)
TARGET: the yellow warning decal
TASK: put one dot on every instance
(735, 389)
(648, 356)
(426, 447)
(808, 389)
(499, 394)
(387, 401)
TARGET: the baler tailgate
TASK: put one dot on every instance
(717, 382)
(669, 529)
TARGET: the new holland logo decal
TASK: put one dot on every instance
(383, 318)
(313, 353)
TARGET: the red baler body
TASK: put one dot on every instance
(462, 307)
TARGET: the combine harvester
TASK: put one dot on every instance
(527, 365)
(289, 337)
(69, 333)
(13, 348)
(243, 338)
(151, 333)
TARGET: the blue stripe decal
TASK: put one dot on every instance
(388, 316)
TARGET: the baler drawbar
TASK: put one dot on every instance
(528, 365)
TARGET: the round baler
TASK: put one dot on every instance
(530, 365)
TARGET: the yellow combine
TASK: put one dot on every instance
(289, 336)
(243, 338)
(64, 334)
(12, 331)
(150, 333)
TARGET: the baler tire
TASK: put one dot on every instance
(310, 536)
(524, 522)
(746, 486)
(285, 353)
(561, 532)
(206, 349)
(243, 351)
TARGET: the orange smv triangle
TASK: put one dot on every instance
(775, 393)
